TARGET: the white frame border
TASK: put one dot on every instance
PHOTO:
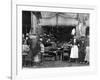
(61, 71)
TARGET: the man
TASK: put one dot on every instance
(82, 48)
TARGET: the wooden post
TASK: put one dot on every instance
(33, 23)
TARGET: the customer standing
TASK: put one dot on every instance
(82, 48)
(42, 49)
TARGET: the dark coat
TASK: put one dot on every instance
(34, 47)
(82, 48)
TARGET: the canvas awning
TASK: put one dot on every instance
(67, 21)
(48, 21)
(58, 21)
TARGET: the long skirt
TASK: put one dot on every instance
(74, 52)
(87, 54)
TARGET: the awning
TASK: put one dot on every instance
(48, 21)
(58, 21)
(67, 21)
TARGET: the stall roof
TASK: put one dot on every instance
(60, 20)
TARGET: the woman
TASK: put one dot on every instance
(34, 49)
(74, 52)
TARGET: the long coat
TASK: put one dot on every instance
(34, 47)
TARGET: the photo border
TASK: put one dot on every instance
(16, 74)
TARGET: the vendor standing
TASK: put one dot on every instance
(74, 51)
(34, 48)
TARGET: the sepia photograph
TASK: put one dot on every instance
(55, 39)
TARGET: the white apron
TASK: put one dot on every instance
(36, 58)
(74, 52)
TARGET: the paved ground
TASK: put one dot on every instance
(48, 64)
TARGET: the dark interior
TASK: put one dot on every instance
(61, 33)
(26, 21)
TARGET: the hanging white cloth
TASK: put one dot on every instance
(74, 52)
(73, 32)
(87, 54)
